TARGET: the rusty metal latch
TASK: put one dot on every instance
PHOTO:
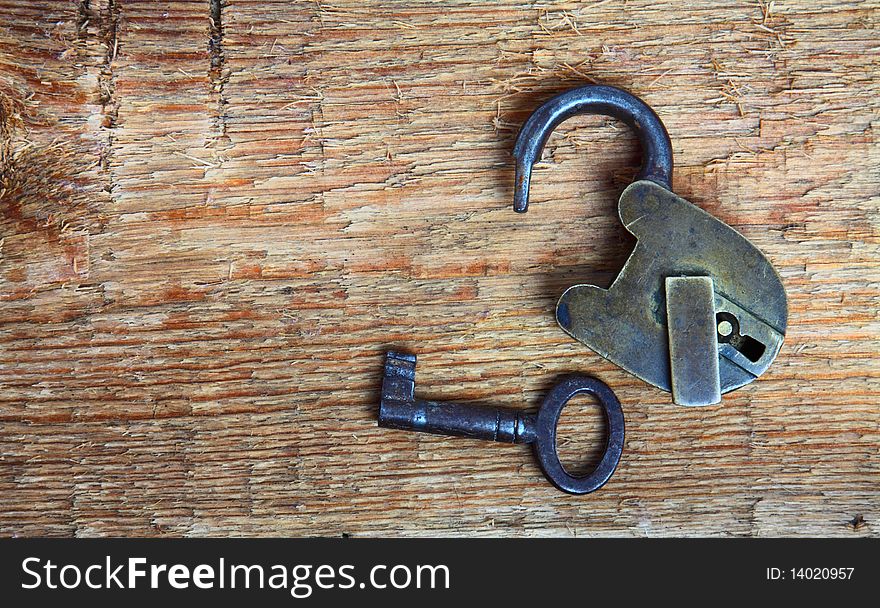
(697, 309)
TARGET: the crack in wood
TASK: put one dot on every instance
(218, 76)
(82, 19)
(109, 36)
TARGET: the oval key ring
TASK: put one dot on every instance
(547, 420)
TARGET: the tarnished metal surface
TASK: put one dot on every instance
(592, 99)
(399, 409)
(626, 323)
(693, 340)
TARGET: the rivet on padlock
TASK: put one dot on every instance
(697, 309)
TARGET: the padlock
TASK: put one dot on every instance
(697, 309)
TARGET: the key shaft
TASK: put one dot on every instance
(459, 419)
(399, 409)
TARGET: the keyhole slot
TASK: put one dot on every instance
(581, 435)
(728, 333)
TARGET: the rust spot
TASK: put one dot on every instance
(247, 314)
(178, 293)
(388, 264)
(179, 320)
(246, 271)
(16, 275)
(465, 292)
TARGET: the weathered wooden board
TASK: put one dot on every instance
(215, 219)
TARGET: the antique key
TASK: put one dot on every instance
(697, 309)
(399, 409)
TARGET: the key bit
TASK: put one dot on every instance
(400, 409)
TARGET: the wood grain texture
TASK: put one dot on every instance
(215, 219)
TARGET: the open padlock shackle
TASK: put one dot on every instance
(592, 99)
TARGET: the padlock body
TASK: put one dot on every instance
(627, 323)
